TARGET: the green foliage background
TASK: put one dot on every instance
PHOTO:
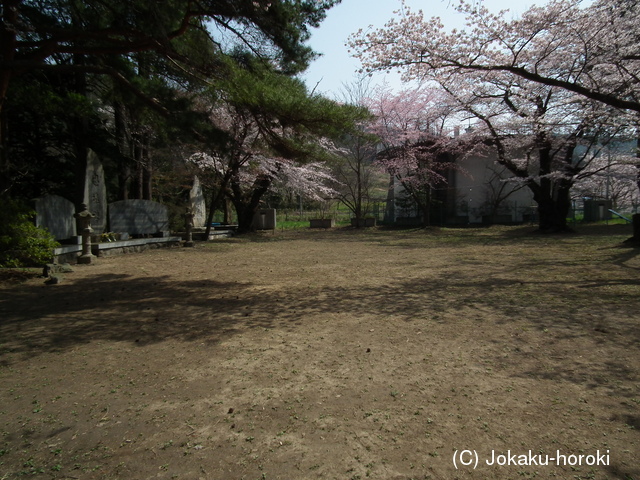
(22, 244)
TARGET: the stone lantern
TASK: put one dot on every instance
(84, 217)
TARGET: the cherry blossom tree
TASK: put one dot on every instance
(591, 52)
(543, 132)
(611, 176)
(274, 133)
(545, 137)
(417, 142)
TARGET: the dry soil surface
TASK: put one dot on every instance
(425, 354)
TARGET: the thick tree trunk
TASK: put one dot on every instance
(426, 208)
(246, 209)
(636, 227)
(551, 195)
(245, 220)
(553, 210)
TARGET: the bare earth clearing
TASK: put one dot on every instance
(338, 355)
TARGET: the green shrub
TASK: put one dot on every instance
(22, 244)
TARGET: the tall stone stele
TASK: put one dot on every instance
(95, 192)
(197, 204)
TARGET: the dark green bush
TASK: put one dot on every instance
(22, 244)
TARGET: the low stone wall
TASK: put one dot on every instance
(70, 253)
(213, 235)
(364, 222)
(114, 249)
(322, 223)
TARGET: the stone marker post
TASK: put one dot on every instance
(95, 192)
(197, 204)
(84, 225)
(188, 225)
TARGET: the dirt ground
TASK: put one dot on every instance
(330, 354)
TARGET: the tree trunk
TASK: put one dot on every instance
(245, 219)
(143, 179)
(638, 157)
(147, 172)
(554, 209)
(137, 187)
(390, 205)
(552, 196)
(426, 208)
(212, 209)
(123, 142)
(8, 41)
(246, 210)
(81, 136)
(227, 211)
(636, 227)
(216, 198)
(358, 204)
(5, 166)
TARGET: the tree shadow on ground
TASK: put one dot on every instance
(147, 310)
(624, 253)
(120, 308)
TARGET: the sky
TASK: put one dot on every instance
(329, 73)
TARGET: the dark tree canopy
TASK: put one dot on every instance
(137, 54)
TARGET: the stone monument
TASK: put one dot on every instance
(138, 217)
(55, 213)
(197, 204)
(95, 192)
